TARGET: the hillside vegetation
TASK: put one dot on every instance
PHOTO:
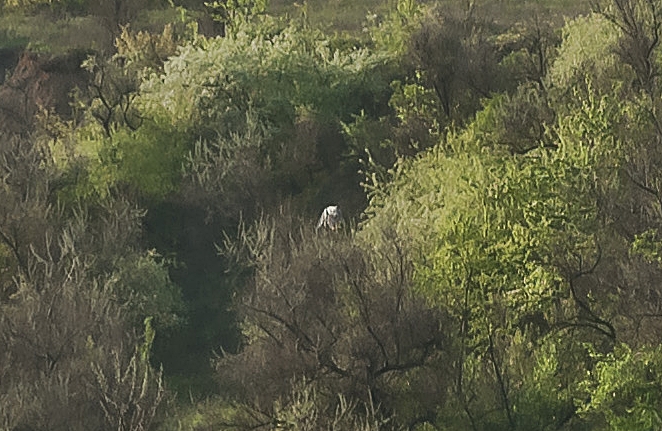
(163, 164)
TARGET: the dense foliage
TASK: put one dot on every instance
(498, 165)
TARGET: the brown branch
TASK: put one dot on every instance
(502, 386)
(594, 318)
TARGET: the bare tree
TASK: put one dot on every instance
(639, 22)
(453, 49)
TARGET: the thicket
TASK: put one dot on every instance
(498, 166)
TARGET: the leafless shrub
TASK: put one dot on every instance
(321, 308)
(25, 204)
(58, 323)
(230, 175)
(129, 392)
(62, 326)
(302, 411)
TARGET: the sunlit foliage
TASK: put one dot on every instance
(499, 268)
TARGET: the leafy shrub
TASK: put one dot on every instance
(624, 388)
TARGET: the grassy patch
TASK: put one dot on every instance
(338, 15)
(43, 34)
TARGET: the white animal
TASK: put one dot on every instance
(331, 218)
